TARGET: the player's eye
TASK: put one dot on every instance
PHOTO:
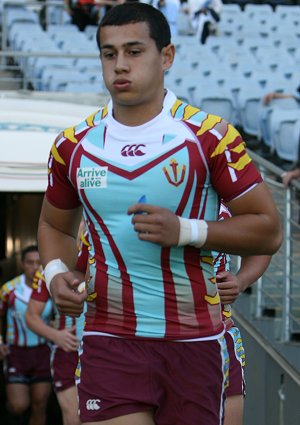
(108, 55)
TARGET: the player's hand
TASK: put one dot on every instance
(155, 224)
(288, 176)
(228, 287)
(268, 98)
(65, 294)
(67, 340)
(4, 351)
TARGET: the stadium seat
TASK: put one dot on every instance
(265, 117)
(88, 87)
(248, 105)
(54, 79)
(215, 100)
(252, 9)
(285, 133)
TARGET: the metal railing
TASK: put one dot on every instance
(19, 62)
(278, 290)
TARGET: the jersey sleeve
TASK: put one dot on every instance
(5, 291)
(60, 191)
(4, 294)
(232, 170)
(83, 252)
(39, 289)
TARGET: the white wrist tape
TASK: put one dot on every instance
(192, 232)
(53, 268)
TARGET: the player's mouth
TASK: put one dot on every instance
(121, 84)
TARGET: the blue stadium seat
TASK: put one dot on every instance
(285, 133)
(215, 100)
(265, 118)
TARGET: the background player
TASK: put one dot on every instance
(66, 336)
(230, 286)
(26, 354)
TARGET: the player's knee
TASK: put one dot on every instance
(18, 407)
(71, 418)
(38, 406)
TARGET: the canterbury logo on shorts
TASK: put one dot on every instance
(93, 404)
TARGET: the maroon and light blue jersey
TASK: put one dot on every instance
(14, 298)
(222, 263)
(184, 160)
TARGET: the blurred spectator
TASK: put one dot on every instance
(86, 12)
(290, 175)
(276, 95)
(204, 14)
(170, 8)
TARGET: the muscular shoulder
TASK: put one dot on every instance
(199, 120)
(67, 140)
(71, 136)
(10, 286)
(211, 130)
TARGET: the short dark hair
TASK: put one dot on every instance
(134, 12)
(30, 248)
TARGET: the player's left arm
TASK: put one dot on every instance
(230, 285)
(253, 229)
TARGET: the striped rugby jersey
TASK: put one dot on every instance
(14, 298)
(184, 160)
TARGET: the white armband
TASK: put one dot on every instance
(192, 232)
(53, 268)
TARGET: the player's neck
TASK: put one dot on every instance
(28, 281)
(138, 114)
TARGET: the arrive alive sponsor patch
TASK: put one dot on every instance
(92, 177)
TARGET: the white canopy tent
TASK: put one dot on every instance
(28, 128)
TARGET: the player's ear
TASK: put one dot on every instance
(168, 55)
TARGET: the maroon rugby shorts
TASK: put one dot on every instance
(27, 365)
(236, 354)
(181, 382)
(63, 367)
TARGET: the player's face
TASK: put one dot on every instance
(133, 67)
(31, 264)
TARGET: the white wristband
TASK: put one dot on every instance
(192, 232)
(53, 268)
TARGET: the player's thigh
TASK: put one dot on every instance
(67, 400)
(18, 397)
(140, 418)
(40, 392)
(234, 409)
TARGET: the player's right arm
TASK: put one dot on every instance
(230, 286)
(57, 233)
(65, 338)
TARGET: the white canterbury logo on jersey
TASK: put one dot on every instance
(93, 404)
